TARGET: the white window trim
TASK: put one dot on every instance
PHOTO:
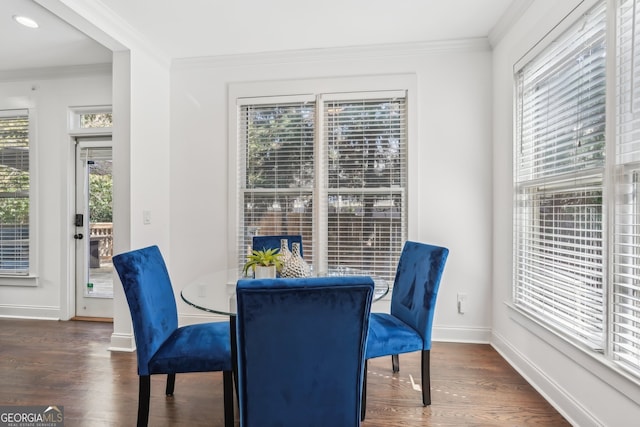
(599, 363)
(595, 362)
(30, 279)
(307, 88)
(567, 21)
(74, 115)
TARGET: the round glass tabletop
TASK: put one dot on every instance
(216, 293)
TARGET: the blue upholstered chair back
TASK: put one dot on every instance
(301, 348)
(152, 303)
(273, 242)
(416, 286)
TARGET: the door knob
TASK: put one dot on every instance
(78, 236)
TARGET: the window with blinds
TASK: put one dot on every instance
(278, 143)
(559, 177)
(331, 167)
(364, 142)
(625, 297)
(14, 192)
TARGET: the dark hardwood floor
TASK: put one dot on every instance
(68, 364)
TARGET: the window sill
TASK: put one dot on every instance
(592, 361)
(19, 281)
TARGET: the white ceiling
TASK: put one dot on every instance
(192, 28)
(53, 44)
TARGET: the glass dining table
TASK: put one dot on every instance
(216, 293)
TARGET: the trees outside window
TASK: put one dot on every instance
(14, 192)
(331, 168)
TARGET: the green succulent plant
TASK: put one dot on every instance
(265, 258)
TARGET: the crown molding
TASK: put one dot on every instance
(52, 73)
(99, 22)
(335, 54)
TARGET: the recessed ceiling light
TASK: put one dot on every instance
(26, 21)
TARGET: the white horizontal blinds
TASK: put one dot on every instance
(560, 148)
(366, 147)
(625, 300)
(559, 259)
(14, 192)
(278, 171)
(562, 103)
(93, 154)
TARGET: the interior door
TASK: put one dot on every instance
(94, 227)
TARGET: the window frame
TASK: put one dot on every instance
(598, 358)
(535, 176)
(75, 120)
(309, 89)
(27, 278)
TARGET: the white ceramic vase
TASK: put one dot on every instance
(285, 253)
(296, 266)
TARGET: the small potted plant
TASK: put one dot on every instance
(264, 263)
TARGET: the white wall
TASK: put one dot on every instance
(50, 97)
(450, 179)
(141, 171)
(582, 387)
(141, 138)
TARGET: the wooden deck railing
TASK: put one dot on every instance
(103, 232)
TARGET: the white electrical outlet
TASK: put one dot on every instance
(462, 303)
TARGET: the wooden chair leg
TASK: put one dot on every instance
(363, 403)
(144, 393)
(395, 362)
(426, 377)
(234, 352)
(171, 384)
(227, 384)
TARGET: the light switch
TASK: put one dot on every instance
(146, 217)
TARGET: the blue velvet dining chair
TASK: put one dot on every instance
(273, 242)
(162, 346)
(408, 327)
(301, 348)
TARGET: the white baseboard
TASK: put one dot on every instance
(122, 342)
(461, 334)
(559, 398)
(30, 312)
